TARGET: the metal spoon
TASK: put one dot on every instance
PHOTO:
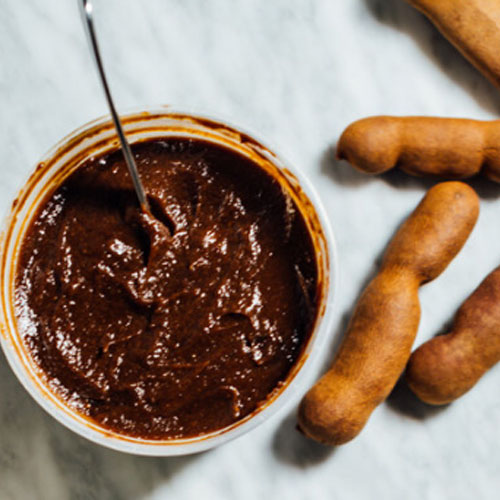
(86, 10)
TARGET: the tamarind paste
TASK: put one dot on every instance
(177, 322)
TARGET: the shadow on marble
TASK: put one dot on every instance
(291, 447)
(399, 15)
(39, 458)
(403, 401)
(340, 172)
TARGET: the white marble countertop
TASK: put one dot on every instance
(297, 72)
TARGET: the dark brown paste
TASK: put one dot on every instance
(172, 324)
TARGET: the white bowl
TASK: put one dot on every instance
(99, 137)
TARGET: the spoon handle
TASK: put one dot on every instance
(87, 14)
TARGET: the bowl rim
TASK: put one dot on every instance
(293, 387)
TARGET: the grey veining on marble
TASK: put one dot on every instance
(296, 72)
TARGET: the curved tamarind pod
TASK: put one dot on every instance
(446, 367)
(378, 341)
(449, 148)
(472, 26)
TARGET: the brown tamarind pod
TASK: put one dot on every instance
(446, 367)
(378, 341)
(472, 26)
(449, 148)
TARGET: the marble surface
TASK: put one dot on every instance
(297, 72)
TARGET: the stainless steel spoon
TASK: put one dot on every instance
(87, 15)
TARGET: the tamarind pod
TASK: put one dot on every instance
(378, 341)
(446, 367)
(449, 148)
(472, 26)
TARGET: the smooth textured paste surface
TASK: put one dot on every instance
(173, 324)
